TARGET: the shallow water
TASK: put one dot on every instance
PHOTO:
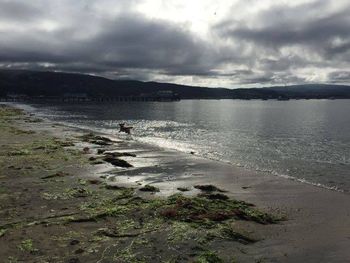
(304, 139)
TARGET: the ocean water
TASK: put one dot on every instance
(305, 140)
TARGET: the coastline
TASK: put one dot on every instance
(317, 228)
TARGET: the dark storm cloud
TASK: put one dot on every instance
(272, 46)
(125, 42)
(301, 26)
(135, 42)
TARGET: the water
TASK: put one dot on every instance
(306, 140)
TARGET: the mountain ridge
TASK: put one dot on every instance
(48, 83)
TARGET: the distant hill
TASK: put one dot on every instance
(37, 83)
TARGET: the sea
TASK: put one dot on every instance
(304, 140)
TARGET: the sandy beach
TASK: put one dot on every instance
(65, 197)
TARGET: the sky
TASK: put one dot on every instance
(214, 43)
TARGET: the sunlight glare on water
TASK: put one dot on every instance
(308, 140)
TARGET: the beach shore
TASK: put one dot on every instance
(63, 199)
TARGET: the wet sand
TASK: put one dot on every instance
(317, 228)
(318, 225)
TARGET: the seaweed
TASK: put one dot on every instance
(149, 188)
(202, 210)
(227, 232)
(209, 257)
(183, 189)
(114, 187)
(96, 139)
(117, 162)
(119, 154)
(208, 188)
(58, 174)
(216, 196)
(27, 245)
(2, 232)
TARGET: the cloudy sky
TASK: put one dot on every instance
(236, 43)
